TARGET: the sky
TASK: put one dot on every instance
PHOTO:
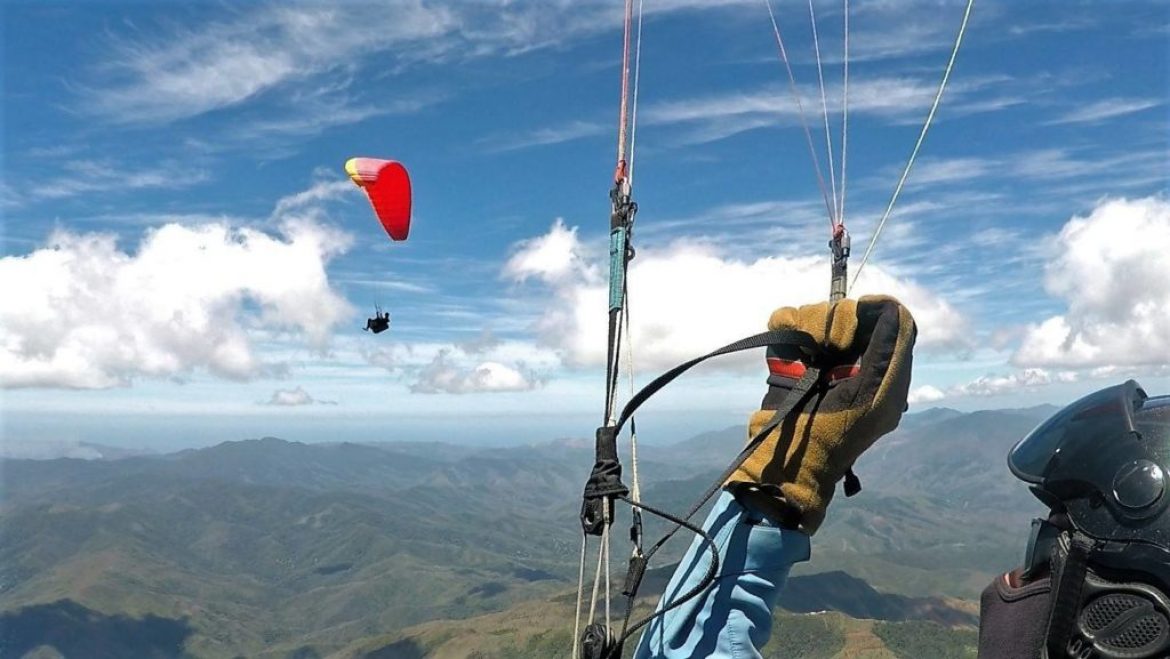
(184, 261)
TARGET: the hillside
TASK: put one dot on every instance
(543, 631)
(272, 548)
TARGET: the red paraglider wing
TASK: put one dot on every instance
(387, 184)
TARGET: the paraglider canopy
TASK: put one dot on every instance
(387, 184)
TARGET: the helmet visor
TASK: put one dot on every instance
(1105, 413)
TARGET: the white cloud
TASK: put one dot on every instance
(1107, 109)
(690, 298)
(75, 177)
(317, 193)
(1112, 272)
(83, 313)
(190, 72)
(1029, 378)
(296, 397)
(273, 133)
(444, 375)
(881, 96)
(270, 49)
(991, 385)
(932, 171)
(925, 394)
(483, 364)
(573, 130)
(553, 257)
(896, 100)
(1055, 164)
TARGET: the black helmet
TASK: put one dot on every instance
(1102, 465)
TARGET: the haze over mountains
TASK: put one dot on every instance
(278, 549)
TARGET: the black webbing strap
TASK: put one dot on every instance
(1066, 598)
(605, 480)
(801, 340)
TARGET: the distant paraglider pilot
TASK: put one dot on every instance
(379, 323)
(387, 184)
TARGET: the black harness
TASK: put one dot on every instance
(1095, 617)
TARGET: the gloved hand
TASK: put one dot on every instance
(801, 462)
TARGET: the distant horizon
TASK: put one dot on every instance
(656, 429)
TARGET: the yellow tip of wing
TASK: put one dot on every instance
(351, 168)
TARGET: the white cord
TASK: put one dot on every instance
(917, 145)
(580, 598)
(812, 16)
(800, 107)
(844, 122)
(634, 110)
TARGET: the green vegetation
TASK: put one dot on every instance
(548, 645)
(915, 639)
(808, 636)
(272, 549)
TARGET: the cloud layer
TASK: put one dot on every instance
(1111, 271)
(83, 313)
(690, 297)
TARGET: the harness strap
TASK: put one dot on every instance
(796, 338)
(605, 480)
(1066, 598)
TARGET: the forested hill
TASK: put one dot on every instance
(271, 548)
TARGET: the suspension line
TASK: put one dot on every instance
(800, 108)
(918, 144)
(597, 514)
(637, 85)
(812, 16)
(844, 122)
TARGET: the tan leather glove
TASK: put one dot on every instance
(799, 463)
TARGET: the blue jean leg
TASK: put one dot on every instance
(733, 619)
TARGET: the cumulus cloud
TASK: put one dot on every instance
(1029, 378)
(483, 364)
(82, 312)
(997, 384)
(294, 398)
(552, 258)
(925, 394)
(691, 297)
(1111, 271)
(445, 375)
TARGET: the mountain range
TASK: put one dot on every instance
(268, 548)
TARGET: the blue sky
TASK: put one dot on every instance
(185, 262)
